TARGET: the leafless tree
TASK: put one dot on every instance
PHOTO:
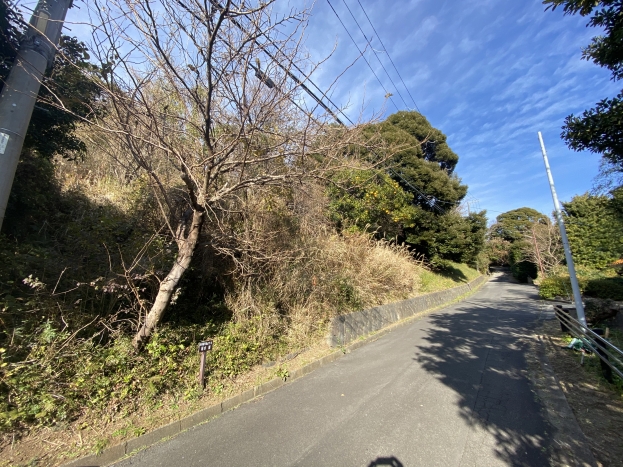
(202, 99)
(544, 247)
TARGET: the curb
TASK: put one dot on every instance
(132, 446)
(344, 329)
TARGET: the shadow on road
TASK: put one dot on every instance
(479, 352)
(386, 461)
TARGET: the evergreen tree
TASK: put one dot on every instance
(513, 225)
(599, 129)
(413, 195)
(424, 164)
(510, 233)
(594, 228)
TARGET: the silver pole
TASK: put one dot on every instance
(21, 88)
(565, 241)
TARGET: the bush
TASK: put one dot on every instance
(556, 286)
(609, 287)
(593, 283)
(524, 269)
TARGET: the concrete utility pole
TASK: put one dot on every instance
(20, 91)
(579, 306)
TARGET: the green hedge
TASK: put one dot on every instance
(524, 269)
(598, 287)
(556, 286)
(609, 287)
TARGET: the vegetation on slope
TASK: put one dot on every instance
(205, 206)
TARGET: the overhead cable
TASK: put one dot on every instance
(387, 94)
(285, 70)
(388, 56)
(375, 54)
(297, 68)
(323, 105)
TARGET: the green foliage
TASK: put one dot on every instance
(71, 80)
(447, 275)
(68, 93)
(368, 200)
(498, 251)
(11, 25)
(60, 375)
(430, 143)
(599, 129)
(607, 288)
(452, 237)
(555, 286)
(595, 230)
(522, 270)
(507, 240)
(513, 225)
(593, 283)
(421, 161)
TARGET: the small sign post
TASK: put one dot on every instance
(203, 348)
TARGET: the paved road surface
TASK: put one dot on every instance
(447, 390)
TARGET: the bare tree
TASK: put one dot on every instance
(544, 247)
(203, 101)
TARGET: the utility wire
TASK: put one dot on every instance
(375, 53)
(388, 56)
(297, 68)
(424, 195)
(387, 94)
(278, 63)
(323, 105)
(290, 74)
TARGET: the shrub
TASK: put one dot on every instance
(592, 282)
(555, 286)
(524, 269)
(609, 287)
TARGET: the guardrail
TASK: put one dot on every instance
(610, 355)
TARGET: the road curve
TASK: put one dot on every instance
(450, 389)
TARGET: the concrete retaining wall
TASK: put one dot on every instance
(346, 328)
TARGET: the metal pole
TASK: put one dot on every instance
(204, 347)
(565, 241)
(202, 367)
(21, 88)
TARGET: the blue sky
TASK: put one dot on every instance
(488, 73)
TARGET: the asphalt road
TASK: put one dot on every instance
(450, 389)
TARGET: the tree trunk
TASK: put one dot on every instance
(167, 286)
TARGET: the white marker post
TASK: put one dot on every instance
(565, 241)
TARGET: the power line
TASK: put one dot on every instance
(322, 104)
(375, 54)
(288, 72)
(296, 67)
(388, 94)
(424, 195)
(388, 56)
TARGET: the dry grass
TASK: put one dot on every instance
(334, 274)
(381, 272)
(294, 277)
